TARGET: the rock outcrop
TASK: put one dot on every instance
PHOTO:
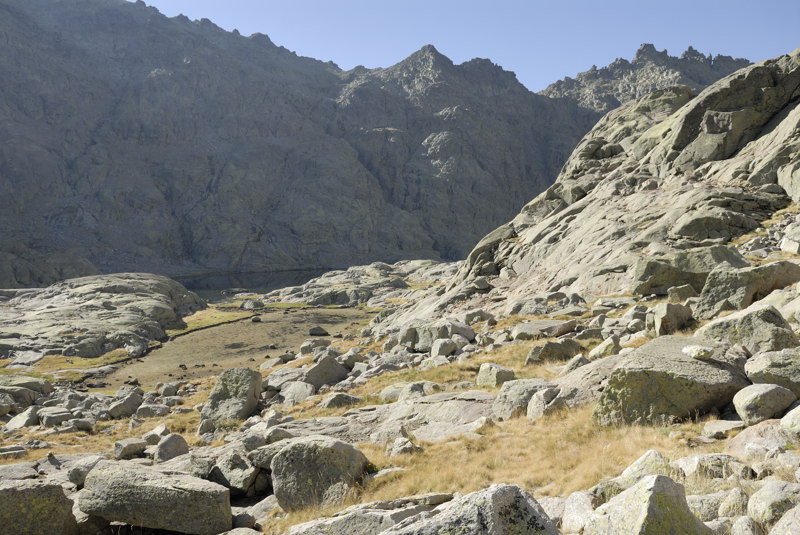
(90, 316)
(622, 81)
(650, 199)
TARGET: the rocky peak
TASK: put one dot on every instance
(648, 53)
(623, 81)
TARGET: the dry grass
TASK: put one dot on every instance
(554, 456)
(213, 315)
(51, 363)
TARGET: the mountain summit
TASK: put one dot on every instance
(622, 81)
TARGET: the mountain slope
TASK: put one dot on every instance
(651, 197)
(133, 140)
(622, 81)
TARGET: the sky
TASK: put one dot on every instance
(541, 41)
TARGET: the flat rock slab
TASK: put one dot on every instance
(141, 496)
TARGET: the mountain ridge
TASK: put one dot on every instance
(135, 141)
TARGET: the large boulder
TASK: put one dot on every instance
(776, 367)
(327, 371)
(31, 507)
(769, 503)
(670, 317)
(513, 398)
(496, 510)
(420, 336)
(756, 403)
(493, 375)
(734, 289)
(235, 396)
(656, 505)
(657, 274)
(789, 524)
(759, 327)
(658, 382)
(316, 470)
(371, 518)
(141, 496)
(757, 442)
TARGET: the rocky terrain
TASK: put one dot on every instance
(623, 81)
(228, 153)
(621, 357)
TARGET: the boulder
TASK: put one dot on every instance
(26, 418)
(608, 347)
(550, 401)
(734, 289)
(705, 506)
(757, 442)
(656, 505)
(129, 448)
(234, 470)
(371, 518)
(235, 396)
(776, 367)
(532, 330)
(126, 406)
(141, 496)
(651, 463)
(759, 327)
(657, 274)
(327, 371)
(339, 399)
(670, 317)
(658, 382)
(443, 347)
(493, 375)
(768, 504)
(32, 507)
(558, 350)
(169, 447)
(514, 396)
(789, 524)
(316, 470)
(756, 403)
(495, 510)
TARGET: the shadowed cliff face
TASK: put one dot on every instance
(134, 141)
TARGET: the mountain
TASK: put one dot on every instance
(653, 197)
(132, 141)
(622, 81)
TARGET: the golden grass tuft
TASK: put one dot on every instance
(554, 456)
(209, 317)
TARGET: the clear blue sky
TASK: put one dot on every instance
(541, 41)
